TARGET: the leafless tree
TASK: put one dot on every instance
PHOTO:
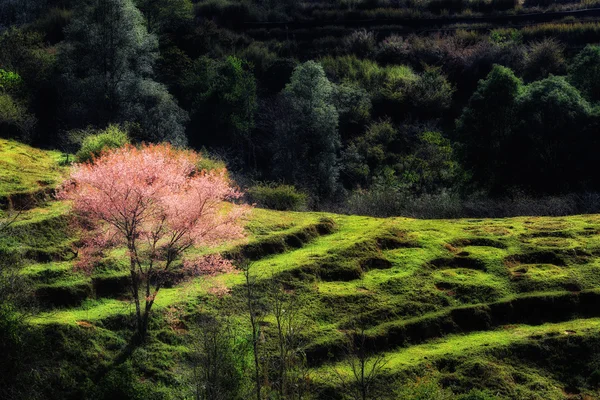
(216, 355)
(19, 361)
(290, 368)
(365, 367)
(255, 316)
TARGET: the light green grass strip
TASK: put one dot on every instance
(24, 169)
(262, 269)
(462, 345)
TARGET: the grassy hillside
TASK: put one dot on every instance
(510, 306)
(26, 172)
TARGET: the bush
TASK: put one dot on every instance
(9, 80)
(584, 72)
(393, 50)
(361, 43)
(386, 201)
(278, 197)
(376, 203)
(93, 145)
(431, 94)
(259, 56)
(209, 163)
(568, 33)
(424, 389)
(545, 57)
(15, 121)
(365, 73)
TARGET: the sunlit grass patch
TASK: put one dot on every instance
(24, 169)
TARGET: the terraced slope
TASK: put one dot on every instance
(509, 305)
(26, 173)
(421, 289)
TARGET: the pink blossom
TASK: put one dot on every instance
(219, 290)
(209, 265)
(154, 201)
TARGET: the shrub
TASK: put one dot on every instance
(278, 197)
(424, 389)
(385, 199)
(15, 121)
(571, 33)
(207, 163)
(399, 80)
(362, 43)
(259, 56)
(365, 73)
(431, 167)
(584, 72)
(380, 202)
(93, 145)
(431, 94)
(370, 152)
(393, 50)
(9, 80)
(545, 57)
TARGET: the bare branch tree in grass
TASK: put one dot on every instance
(290, 367)
(361, 367)
(256, 316)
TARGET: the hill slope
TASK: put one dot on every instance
(26, 172)
(511, 305)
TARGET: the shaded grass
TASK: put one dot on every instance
(467, 346)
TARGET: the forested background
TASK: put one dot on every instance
(439, 108)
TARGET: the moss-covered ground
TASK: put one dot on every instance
(511, 306)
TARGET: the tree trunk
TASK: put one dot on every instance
(135, 293)
(253, 321)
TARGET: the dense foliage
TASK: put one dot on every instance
(430, 108)
(336, 112)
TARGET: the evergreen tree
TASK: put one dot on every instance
(221, 95)
(307, 144)
(108, 61)
(487, 125)
(584, 72)
(556, 133)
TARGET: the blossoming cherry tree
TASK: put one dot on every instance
(154, 201)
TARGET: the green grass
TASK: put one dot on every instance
(439, 289)
(24, 169)
(411, 276)
(474, 343)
